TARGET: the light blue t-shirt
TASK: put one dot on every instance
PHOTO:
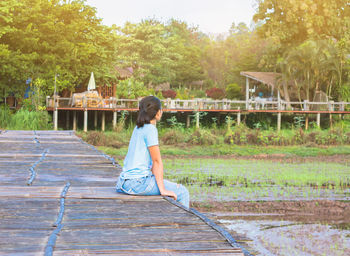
(138, 161)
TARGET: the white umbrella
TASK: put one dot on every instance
(92, 84)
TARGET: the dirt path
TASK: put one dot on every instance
(309, 211)
(342, 159)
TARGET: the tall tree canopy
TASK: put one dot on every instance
(294, 21)
(160, 52)
(43, 38)
(311, 43)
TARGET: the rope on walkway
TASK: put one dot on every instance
(52, 241)
(58, 224)
(63, 196)
(212, 224)
(36, 138)
(208, 221)
(32, 170)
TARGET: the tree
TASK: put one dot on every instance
(149, 49)
(161, 52)
(55, 37)
(294, 21)
(233, 91)
(311, 42)
(312, 66)
(188, 68)
(215, 93)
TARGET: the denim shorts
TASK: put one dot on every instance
(138, 186)
(147, 186)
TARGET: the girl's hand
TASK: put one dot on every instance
(169, 193)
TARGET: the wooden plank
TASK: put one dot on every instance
(74, 192)
(96, 219)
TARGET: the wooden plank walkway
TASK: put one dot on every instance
(71, 207)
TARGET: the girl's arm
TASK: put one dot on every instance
(157, 170)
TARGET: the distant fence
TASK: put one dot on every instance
(199, 104)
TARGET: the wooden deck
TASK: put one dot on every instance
(70, 206)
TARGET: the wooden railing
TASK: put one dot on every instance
(199, 104)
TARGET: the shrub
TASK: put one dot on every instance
(169, 94)
(311, 137)
(5, 116)
(233, 91)
(276, 139)
(347, 138)
(96, 138)
(173, 137)
(203, 137)
(215, 93)
(299, 136)
(182, 94)
(131, 89)
(24, 119)
(198, 94)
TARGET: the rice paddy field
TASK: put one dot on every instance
(284, 206)
(275, 203)
(210, 179)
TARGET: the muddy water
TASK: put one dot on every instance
(274, 234)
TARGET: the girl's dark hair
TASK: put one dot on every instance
(148, 108)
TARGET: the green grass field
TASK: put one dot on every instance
(232, 179)
(246, 150)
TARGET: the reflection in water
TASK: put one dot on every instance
(271, 237)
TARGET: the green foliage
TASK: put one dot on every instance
(132, 89)
(203, 137)
(197, 94)
(183, 93)
(147, 48)
(299, 122)
(314, 66)
(27, 118)
(309, 44)
(174, 123)
(5, 116)
(39, 39)
(233, 91)
(295, 21)
(173, 137)
(24, 119)
(241, 179)
(121, 122)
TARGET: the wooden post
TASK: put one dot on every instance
(55, 119)
(330, 121)
(74, 120)
(307, 122)
(279, 117)
(238, 118)
(188, 121)
(306, 105)
(103, 121)
(197, 120)
(246, 92)
(85, 120)
(115, 113)
(95, 119)
(67, 120)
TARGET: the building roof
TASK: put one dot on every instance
(124, 72)
(268, 78)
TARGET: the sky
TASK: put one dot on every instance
(211, 16)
